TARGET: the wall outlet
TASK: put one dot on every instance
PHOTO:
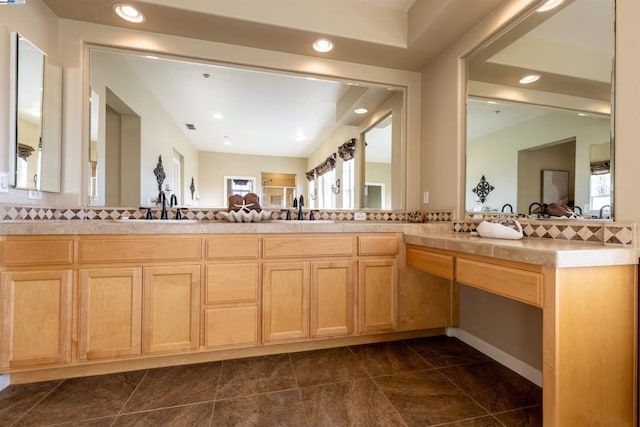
(360, 216)
(4, 182)
(35, 194)
(425, 197)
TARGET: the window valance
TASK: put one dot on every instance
(326, 166)
(601, 167)
(347, 150)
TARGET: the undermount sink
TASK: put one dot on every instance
(155, 221)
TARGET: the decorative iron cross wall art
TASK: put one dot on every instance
(483, 189)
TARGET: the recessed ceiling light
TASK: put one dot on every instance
(549, 4)
(529, 79)
(360, 111)
(299, 138)
(151, 57)
(323, 45)
(583, 114)
(491, 102)
(227, 142)
(128, 13)
(218, 116)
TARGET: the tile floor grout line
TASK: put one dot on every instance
(132, 393)
(389, 401)
(360, 362)
(38, 402)
(215, 397)
(464, 391)
(295, 377)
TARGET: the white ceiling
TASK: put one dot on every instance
(403, 5)
(574, 43)
(262, 113)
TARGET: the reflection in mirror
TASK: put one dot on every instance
(226, 122)
(37, 131)
(378, 165)
(561, 122)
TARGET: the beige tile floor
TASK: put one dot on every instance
(435, 381)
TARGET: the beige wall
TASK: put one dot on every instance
(215, 166)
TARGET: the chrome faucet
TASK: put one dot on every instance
(602, 211)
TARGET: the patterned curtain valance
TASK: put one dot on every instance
(24, 151)
(599, 168)
(311, 175)
(327, 165)
(347, 150)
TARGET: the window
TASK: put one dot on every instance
(600, 190)
(238, 185)
(348, 176)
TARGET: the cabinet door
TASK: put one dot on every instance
(170, 309)
(377, 295)
(36, 318)
(285, 301)
(110, 321)
(332, 285)
(231, 326)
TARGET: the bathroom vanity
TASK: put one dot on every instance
(99, 296)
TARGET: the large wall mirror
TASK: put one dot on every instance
(208, 122)
(521, 134)
(36, 118)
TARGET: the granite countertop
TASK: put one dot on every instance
(545, 252)
(80, 227)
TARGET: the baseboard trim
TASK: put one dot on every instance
(4, 381)
(529, 372)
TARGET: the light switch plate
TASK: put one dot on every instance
(4, 182)
(425, 197)
(35, 194)
(360, 216)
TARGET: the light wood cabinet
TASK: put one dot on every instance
(171, 308)
(332, 298)
(377, 284)
(285, 301)
(110, 314)
(36, 317)
(231, 305)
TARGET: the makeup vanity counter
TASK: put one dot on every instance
(90, 297)
(588, 296)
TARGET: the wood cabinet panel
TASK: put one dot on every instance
(227, 283)
(139, 249)
(424, 301)
(524, 286)
(36, 252)
(332, 298)
(36, 318)
(377, 295)
(170, 313)
(285, 301)
(308, 246)
(110, 319)
(231, 326)
(378, 245)
(232, 247)
(437, 264)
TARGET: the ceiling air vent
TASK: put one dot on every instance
(190, 126)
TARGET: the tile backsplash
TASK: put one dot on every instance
(608, 233)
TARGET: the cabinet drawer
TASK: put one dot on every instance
(232, 247)
(36, 252)
(231, 282)
(378, 245)
(142, 249)
(437, 264)
(231, 326)
(308, 246)
(520, 285)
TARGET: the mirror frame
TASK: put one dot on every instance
(403, 88)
